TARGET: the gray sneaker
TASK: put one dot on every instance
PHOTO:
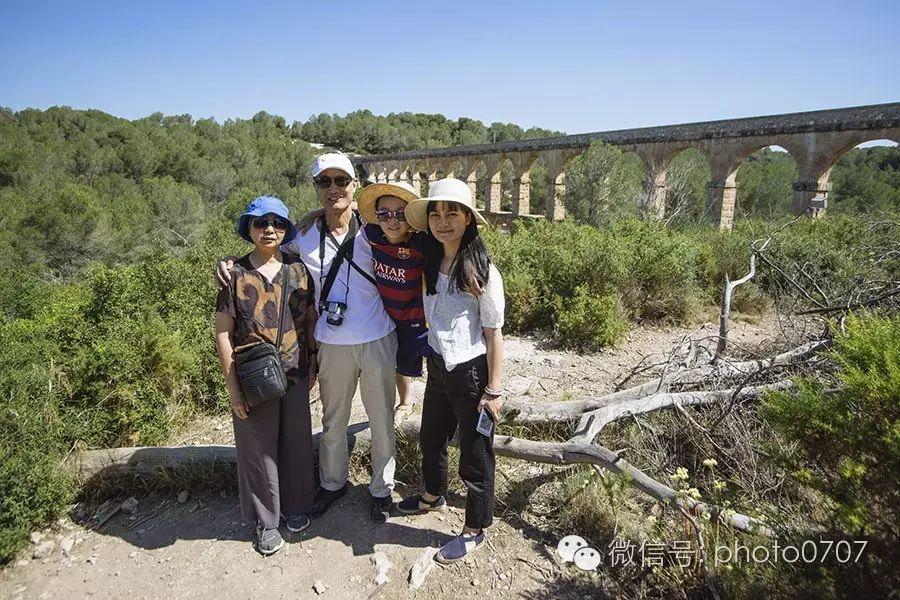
(268, 541)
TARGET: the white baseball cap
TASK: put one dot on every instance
(333, 160)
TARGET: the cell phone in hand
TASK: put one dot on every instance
(485, 423)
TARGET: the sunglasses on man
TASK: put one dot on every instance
(277, 223)
(385, 216)
(324, 182)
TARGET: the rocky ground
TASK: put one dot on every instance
(194, 545)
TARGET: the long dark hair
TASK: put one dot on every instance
(471, 266)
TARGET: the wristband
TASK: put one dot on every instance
(494, 393)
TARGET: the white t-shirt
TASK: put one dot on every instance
(455, 320)
(365, 319)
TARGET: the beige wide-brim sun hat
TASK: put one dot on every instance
(442, 190)
(369, 195)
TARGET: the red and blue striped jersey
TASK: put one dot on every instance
(398, 275)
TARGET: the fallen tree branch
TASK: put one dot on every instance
(851, 306)
(523, 410)
(151, 459)
(591, 423)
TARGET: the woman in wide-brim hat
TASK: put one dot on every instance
(447, 190)
(273, 439)
(464, 307)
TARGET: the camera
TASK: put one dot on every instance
(334, 312)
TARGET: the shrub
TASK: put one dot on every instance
(588, 321)
(661, 281)
(848, 441)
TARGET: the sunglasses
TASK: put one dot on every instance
(325, 182)
(276, 223)
(384, 216)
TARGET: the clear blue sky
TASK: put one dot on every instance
(573, 66)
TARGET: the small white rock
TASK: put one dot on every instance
(420, 569)
(43, 550)
(183, 497)
(66, 546)
(382, 566)
(319, 587)
(35, 537)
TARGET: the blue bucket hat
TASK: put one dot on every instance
(260, 206)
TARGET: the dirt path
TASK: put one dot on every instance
(199, 548)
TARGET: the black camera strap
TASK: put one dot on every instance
(285, 285)
(345, 250)
(356, 219)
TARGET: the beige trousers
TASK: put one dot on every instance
(373, 365)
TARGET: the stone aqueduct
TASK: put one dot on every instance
(816, 140)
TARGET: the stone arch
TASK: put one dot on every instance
(726, 157)
(686, 178)
(555, 161)
(520, 189)
(491, 181)
(539, 185)
(855, 197)
(821, 168)
(468, 169)
(507, 170)
(393, 173)
(428, 174)
(770, 195)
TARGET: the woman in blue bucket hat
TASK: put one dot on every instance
(267, 313)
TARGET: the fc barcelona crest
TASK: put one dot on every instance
(403, 253)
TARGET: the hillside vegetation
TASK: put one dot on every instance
(110, 229)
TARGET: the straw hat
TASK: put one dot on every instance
(369, 195)
(442, 190)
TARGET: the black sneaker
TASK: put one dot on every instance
(381, 509)
(324, 500)
(296, 523)
(418, 504)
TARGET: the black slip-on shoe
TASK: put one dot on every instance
(418, 504)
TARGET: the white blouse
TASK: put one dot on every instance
(455, 319)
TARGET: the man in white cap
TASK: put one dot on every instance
(355, 334)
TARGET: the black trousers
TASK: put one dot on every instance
(451, 403)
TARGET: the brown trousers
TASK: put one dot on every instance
(274, 458)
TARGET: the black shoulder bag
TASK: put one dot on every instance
(259, 368)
